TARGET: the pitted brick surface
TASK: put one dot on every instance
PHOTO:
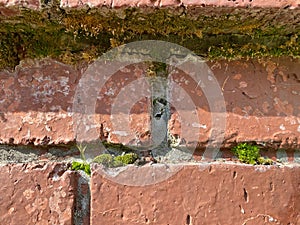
(32, 4)
(201, 194)
(262, 100)
(185, 3)
(36, 194)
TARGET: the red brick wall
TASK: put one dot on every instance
(37, 139)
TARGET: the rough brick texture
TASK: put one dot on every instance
(177, 3)
(262, 100)
(37, 194)
(201, 194)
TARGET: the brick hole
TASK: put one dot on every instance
(245, 195)
(188, 220)
(11, 140)
(209, 169)
(271, 186)
(234, 175)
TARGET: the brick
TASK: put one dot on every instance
(90, 3)
(242, 3)
(187, 3)
(32, 4)
(261, 99)
(199, 194)
(37, 194)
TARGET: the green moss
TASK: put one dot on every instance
(120, 160)
(83, 35)
(265, 161)
(105, 159)
(248, 153)
(126, 159)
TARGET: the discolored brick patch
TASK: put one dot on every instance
(37, 194)
(200, 194)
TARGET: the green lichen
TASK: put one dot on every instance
(73, 36)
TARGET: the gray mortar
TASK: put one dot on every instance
(82, 208)
(282, 156)
(10, 154)
(160, 114)
(180, 154)
(297, 156)
(28, 154)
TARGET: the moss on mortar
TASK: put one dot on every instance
(117, 161)
(72, 36)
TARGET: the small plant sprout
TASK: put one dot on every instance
(82, 149)
(84, 166)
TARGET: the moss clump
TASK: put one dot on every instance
(105, 159)
(126, 159)
(248, 153)
(120, 160)
(264, 161)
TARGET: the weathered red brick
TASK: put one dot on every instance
(261, 98)
(32, 4)
(187, 3)
(37, 194)
(199, 194)
(262, 101)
